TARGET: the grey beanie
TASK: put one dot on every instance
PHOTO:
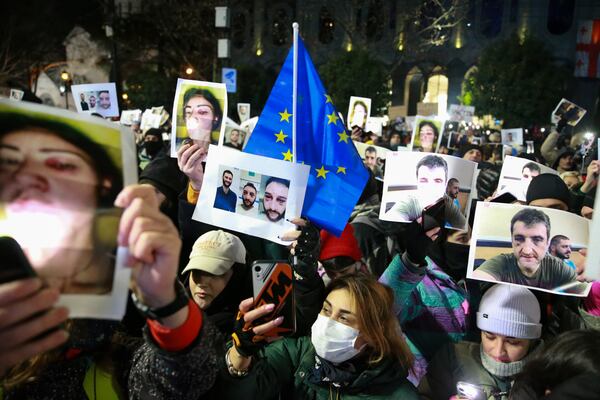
(510, 311)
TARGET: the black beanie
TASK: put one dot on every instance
(548, 186)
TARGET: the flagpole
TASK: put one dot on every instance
(294, 90)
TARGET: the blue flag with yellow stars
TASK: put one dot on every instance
(337, 174)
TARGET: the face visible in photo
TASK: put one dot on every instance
(359, 115)
(104, 99)
(248, 195)
(50, 183)
(529, 243)
(92, 100)
(201, 113)
(275, 198)
(432, 173)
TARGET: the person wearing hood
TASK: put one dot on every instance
(355, 351)
(151, 146)
(509, 321)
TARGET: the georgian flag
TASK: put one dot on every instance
(587, 50)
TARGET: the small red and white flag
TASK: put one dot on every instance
(587, 50)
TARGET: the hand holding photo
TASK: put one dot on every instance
(59, 176)
(199, 110)
(243, 194)
(541, 248)
(568, 111)
(414, 181)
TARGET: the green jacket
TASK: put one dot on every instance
(284, 366)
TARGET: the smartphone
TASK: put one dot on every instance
(273, 283)
(506, 198)
(434, 215)
(15, 264)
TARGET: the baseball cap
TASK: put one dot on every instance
(215, 252)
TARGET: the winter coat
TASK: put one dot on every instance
(431, 308)
(137, 369)
(287, 362)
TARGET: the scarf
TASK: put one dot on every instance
(340, 376)
(501, 369)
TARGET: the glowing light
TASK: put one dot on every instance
(450, 126)
(125, 96)
(543, 130)
(64, 76)
(189, 70)
(259, 52)
(349, 47)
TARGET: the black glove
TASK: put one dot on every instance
(561, 124)
(307, 250)
(417, 243)
(246, 342)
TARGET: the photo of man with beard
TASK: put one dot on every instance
(529, 263)
(274, 200)
(246, 206)
(225, 198)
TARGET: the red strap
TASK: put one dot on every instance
(179, 338)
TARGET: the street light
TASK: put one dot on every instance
(66, 78)
(189, 70)
(125, 96)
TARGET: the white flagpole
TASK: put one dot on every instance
(294, 90)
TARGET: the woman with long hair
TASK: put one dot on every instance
(356, 349)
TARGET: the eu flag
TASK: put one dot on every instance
(337, 174)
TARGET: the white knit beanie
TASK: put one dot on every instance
(510, 311)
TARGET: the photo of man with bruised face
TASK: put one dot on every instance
(274, 200)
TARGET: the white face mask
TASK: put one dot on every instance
(333, 340)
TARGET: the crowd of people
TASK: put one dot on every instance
(383, 311)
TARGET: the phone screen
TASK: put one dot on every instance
(434, 216)
(15, 264)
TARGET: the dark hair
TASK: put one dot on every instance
(432, 161)
(531, 216)
(227, 172)
(251, 185)
(103, 91)
(431, 124)
(208, 96)
(568, 355)
(557, 239)
(532, 167)
(282, 181)
(452, 180)
(103, 165)
(357, 103)
(370, 149)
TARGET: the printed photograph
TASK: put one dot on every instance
(100, 98)
(414, 181)
(199, 110)
(61, 172)
(359, 111)
(516, 175)
(540, 248)
(427, 134)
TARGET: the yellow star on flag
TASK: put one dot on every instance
(341, 170)
(332, 118)
(287, 156)
(280, 137)
(322, 172)
(285, 116)
(343, 137)
(328, 99)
